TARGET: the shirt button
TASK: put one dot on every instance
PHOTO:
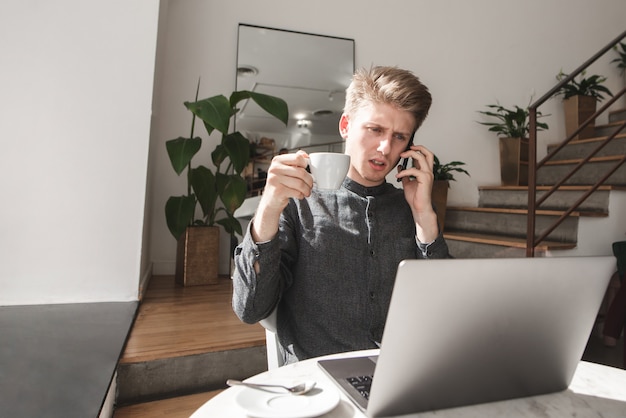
(372, 253)
(372, 295)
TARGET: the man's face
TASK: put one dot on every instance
(375, 137)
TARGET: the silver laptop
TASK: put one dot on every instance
(468, 331)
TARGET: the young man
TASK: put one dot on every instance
(326, 260)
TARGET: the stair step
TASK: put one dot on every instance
(563, 188)
(582, 148)
(521, 211)
(177, 376)
(179, 348)
(508, 222)
(609, 128)
(617, 115)
(178, 407)
(562, 199)
(555, 171)
(508, 241)
(570, 161)
(479, 245)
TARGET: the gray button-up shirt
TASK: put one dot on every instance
(330, 271)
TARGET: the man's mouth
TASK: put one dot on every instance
(378, 164)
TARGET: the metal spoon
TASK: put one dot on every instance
(299, 389)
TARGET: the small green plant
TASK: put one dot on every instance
(230, 157)
(512, 123)
(444, 171)
(585, 86)
(621, 60)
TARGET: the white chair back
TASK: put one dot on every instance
(274, 357)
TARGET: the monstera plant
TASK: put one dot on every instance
(221, 191)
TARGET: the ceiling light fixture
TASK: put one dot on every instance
(247, 71)
(323, 112)
(303, 123)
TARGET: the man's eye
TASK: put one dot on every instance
(374, 129)
(400, 137)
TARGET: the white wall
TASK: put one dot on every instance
(469, 53)
(76, 88)
(597, 234)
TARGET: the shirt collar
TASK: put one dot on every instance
(363, 191)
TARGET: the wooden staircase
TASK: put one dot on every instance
(497, 227)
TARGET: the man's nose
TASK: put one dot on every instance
(384, 146)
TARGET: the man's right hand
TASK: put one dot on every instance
(286, 178)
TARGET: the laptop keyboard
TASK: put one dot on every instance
(362, 384)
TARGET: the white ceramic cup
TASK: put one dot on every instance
(329, 169)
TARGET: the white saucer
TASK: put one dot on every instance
(262, 404)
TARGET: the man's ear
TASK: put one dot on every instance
(343, 126)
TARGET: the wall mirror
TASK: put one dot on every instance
(310, 72)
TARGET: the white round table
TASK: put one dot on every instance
(595, 391)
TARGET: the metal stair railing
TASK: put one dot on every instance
(531, 240)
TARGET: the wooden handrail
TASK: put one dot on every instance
(533, 165)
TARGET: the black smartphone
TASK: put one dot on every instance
(405, 161)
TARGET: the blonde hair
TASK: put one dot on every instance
(389, 85)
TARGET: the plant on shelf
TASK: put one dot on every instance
(218, 192)
(444, 171)
(230, 157)
(621, 60)
(512, 127)
(580, 98)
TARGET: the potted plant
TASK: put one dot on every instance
(217, 192)
(512, 127)
(620, 61)
(579, 101)
(444, 174)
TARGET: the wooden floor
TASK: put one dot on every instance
(181, 407)
(173, 321)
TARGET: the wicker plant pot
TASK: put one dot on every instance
(440, 200)
(514, 161)
(197, 255)
(578, 109)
